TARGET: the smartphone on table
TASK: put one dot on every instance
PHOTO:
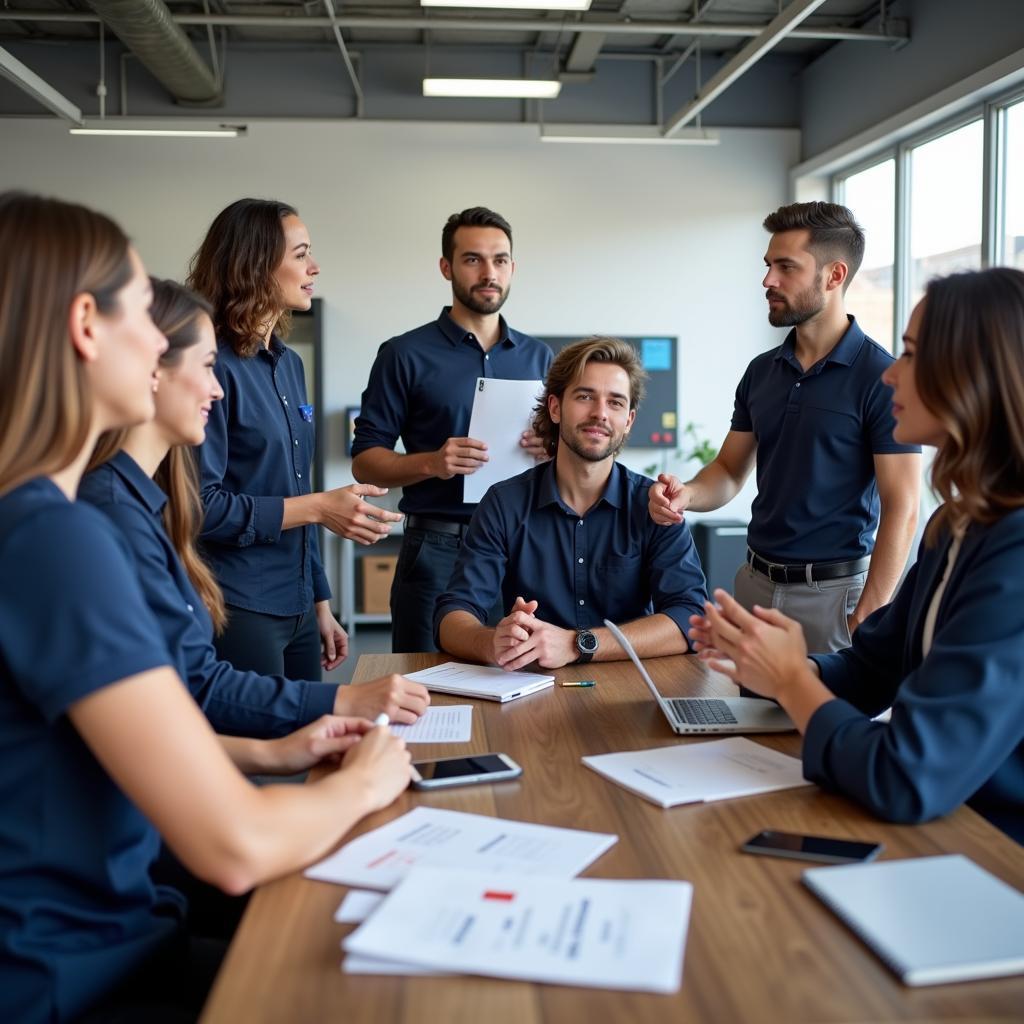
(462, 771)
(815, 848)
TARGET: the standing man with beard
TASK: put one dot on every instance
(569, 543)
(817, 419)
(421, 389)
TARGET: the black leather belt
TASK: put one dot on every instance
(435, 525)
(807, 573)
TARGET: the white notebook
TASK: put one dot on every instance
(482, 681)
(932, 920)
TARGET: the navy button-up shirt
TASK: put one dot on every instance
(78, 911)
(613, 563)
(236, 703)
(817, 433)
(421, 389)
(258, 451)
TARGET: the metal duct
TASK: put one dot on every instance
(148, 29)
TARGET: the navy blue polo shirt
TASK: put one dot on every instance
(614, 563)
(258, 451)
(236, 703)
(421, 389)
(817, 433)
(78, 911)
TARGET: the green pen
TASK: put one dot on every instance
(582, 682)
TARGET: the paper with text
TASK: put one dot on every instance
(428, 835)
(447, 724)
(698, 772)
(586, 931)
(501, 412)
(484, 681)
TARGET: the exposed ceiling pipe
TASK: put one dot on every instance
(833, 33)
(150, 31)
(39, 89)
(780, 27)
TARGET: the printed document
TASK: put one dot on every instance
(691, 773)
(501, 412)
(595, 932)
(484, 681)
(429, 835)
(447, 724)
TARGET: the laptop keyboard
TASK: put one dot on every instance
(696, 711)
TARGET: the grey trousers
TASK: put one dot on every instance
(822, 607)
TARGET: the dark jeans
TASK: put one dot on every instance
(273, 645)
(424, 568)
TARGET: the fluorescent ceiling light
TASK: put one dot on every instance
(625, 135)
(508, 88)
(519, 5)
(221, 132)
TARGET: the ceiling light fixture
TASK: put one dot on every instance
(625, 135)
(518, 5)
(224, 131)
(492, 88)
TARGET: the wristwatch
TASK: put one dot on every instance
(586, 644)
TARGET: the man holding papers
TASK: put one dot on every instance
(569, 543)
(421, 389)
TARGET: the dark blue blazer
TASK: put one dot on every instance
(957, 728)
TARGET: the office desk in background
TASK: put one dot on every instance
(761, 948)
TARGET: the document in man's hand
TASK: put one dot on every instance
(429, 835)
(486, 682)
(501, 412)
(930, 919)
(594, 932)
(699, 772)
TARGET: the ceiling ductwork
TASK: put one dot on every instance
(149, 30)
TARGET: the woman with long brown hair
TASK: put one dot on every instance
(100, 743)
(255, 266)
(947, 655)
(145, 480)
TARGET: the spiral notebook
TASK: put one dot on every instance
(932, 920)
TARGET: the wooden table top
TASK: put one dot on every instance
(760, 946)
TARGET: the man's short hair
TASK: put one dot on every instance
(474, 217)
(834, 232)
(568, 366)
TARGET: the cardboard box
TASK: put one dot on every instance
(377, 571)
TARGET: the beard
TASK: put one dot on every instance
(472, 300)
(804, 305)
(616, 442)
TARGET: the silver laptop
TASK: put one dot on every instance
(711, 714)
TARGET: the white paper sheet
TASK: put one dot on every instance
(353, 964)
(586, 931)
(357, 906)
(449, 724)
(700, 772)
(501, 412)
(484, 681)
(429, 835)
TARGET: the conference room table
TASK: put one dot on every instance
(760, 946)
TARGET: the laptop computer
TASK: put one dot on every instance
(689, 715)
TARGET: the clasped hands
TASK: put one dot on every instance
(521, 638)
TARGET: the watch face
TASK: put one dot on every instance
(586, 642)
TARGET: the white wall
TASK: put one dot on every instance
(610, 239)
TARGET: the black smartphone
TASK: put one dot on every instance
(816, 848)
(461, 771)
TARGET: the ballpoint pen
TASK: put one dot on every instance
(581, 682)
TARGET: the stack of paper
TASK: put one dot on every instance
(481, 681)
(458, 841)
(594, 932)
(700, 772)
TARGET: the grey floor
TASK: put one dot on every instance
(368, 640)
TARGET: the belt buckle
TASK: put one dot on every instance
(771, 573)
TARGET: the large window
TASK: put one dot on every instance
(946, 183)
(871, 195)
(1012, 232)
